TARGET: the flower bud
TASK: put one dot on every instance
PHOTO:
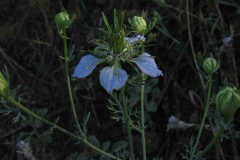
(228, 101)
(138, 24)
(210, 65)
(62, 19)
(4, 85)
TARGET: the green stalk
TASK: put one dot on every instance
(142, 115)
(128, 131)
(67, 75)
(204, 115)
(142, 119)
(220, 131)
(24, 109)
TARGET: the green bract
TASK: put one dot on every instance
(4, 85)
(138, 24)
(228, 101)
(210, 65)
(114, 35)
(62, 19)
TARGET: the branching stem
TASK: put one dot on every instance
(67, 75)
(24, 109)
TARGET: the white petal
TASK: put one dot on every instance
(112, 78)
(86, 66)
(148, 65)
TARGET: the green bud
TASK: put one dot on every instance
(210, 65)
(138, 24)
(4, 85)
(62, 19)
(228, 101)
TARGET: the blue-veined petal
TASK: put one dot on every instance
(86, 66)
(112, 78)
(148, 65)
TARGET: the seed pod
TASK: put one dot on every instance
(62, 20)
(138, 24)
(210, 65)
(228, 101)
(4, 85)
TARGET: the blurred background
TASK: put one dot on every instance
(186, 32)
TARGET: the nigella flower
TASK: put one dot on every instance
(112, 77)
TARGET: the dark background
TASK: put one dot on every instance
(30, 49)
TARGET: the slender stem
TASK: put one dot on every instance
(142, 114)
(24, 109)
(204, 115)
(128, 132)
(220, 131)
(67, 75)
(142, 119)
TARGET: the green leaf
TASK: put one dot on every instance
(16, 118)
(116, 23)
(228, 3)
(165, 31)
(49, 131)
(71, 51)
(47, 138)
(83, 156)
(104, 158)
(156, 92)
(152, 106)
(37, 123)
(131, 91)
(94, 141)
(72, 20)
(63, 10)
(42, 112)
(152, 82)
(21, 136)
(122, 20)
(134, 99)
(147, 89)
(106, 22)
(210, 37)
(106, 145)
(72, 156)
(119, 145)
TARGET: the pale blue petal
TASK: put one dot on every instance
(141, 38)
(112, 78)
(135, 39)
(148, 65)
(86, 66)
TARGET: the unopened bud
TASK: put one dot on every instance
(62, 19)
(138, 24)
(4, 85)
(210, 65)
(228, 101)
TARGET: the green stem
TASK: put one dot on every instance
(128, 131)
(142, 114)
(142, 119)
(220, 131)
(24, 109)
(204, 115)
(67, 76)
